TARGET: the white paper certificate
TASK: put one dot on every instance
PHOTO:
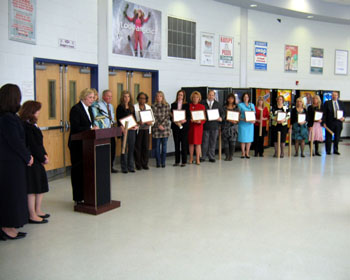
(281, 116)
(232, 116)
(301, 118)
(249, 116)
(198, 115)
(146, 116)
(131, 121)
(340, 114)
(318, 116)
(179, 115)
(213, 114)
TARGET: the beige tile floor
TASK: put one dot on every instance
(262, 219)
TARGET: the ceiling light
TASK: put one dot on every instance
(253, 5)
(310, 16)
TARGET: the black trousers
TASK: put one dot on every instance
(181, 144)
(77, 173)
(112, 151)
(259, 140)
(141, 148)
(127, 159)
(336, 126)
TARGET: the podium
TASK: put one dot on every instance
(97, 170)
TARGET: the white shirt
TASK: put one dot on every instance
(103, 106)
(87, 112)
(210, 103)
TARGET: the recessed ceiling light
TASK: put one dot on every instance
(253, 5)
(310, 16)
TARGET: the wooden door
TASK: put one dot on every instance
(49, 93)
(141, 82)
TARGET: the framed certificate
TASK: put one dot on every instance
(318, 116)
(301, 118)
(340, 114)
(131, 121)
(281, 116)
(249, 116)
(232, 116)
(146, 116)
(198, 115)
(213, 114)
(179, 115)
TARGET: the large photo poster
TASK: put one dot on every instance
(22, 21)
(207, 49)
(226, 52)
(260, 55)
(290, 58)
(136, 30)
(316, 63)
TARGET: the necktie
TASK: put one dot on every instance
(336, 108)
(109, 112)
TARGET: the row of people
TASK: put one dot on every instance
(22, 160)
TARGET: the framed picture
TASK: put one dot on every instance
(198, 115)
(131, 121)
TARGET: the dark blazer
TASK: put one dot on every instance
(79, 120)
(328, 112)
(213, 125)
(186, 125)
(34, 142)
(294, 115)
(311, 115)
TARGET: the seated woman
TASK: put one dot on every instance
(259, 140)
(229, 128)
(315, 126)
(161, 128)
(299, 130)
(195, 133)
(37, 183)
(279, 126)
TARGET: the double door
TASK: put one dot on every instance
(132, 81)
(58, 88)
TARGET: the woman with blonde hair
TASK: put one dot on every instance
(195, 133)
(315, 126)
(299, 129)
(161, 128)
(259, 140)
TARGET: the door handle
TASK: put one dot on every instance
(51, 127)
(67, 126)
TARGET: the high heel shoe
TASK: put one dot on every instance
(4, 236)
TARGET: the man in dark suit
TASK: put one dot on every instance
(81, 119)
(211, 128)
(333, 121)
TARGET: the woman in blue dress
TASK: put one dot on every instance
(245, 128)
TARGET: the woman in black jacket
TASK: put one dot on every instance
(14, 156)
(37, 183)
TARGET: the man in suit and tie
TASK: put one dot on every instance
(81, 119)
(333, 119)
(108, 111)
(211, 128)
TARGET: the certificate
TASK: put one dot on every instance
(179, 115)
(232, 116)
(301, 118)
(131, 121)
(198, 115)
(213, 114)
(340, 114)
(146, 116)
(318, 116)
(281, 116)
(249, 116)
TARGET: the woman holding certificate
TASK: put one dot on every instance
(145, 119)
(299, 126)
(161, 128)
(125, 117)
(315, 113)
(246, 125)
(230, 126)
(195, 132)
(279, 116)
(262, 116)
(180, 124)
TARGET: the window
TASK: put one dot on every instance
(52, 99)
(72, 93)
(181, 38)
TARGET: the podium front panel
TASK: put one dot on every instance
(103, 174)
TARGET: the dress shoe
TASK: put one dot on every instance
(242, 156)
(37, 222)
(132, 170)
(163, 166)
(45, 216)
(175, 164)
(318, 154)
(212, 160)
(337, 153)
(302, 155)
(158, 165)
(22, 234)
(4, 236)
(114, 170)
(146, 167)
(124, 171)
(138, 168)
(183, 165)
(202, 160)
(328, 153)
(248, 157)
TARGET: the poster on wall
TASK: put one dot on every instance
(22, 21)
(316, 63)
(136, 30)
(307, 96)
(207, 49)
(290, 58)
(341, 62)
(266, 94)
(260, 55)
(226, 51)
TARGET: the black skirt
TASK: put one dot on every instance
(283, 129)
(37, 179)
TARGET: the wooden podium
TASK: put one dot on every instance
(97, 170)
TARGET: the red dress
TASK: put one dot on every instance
(195, 131)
